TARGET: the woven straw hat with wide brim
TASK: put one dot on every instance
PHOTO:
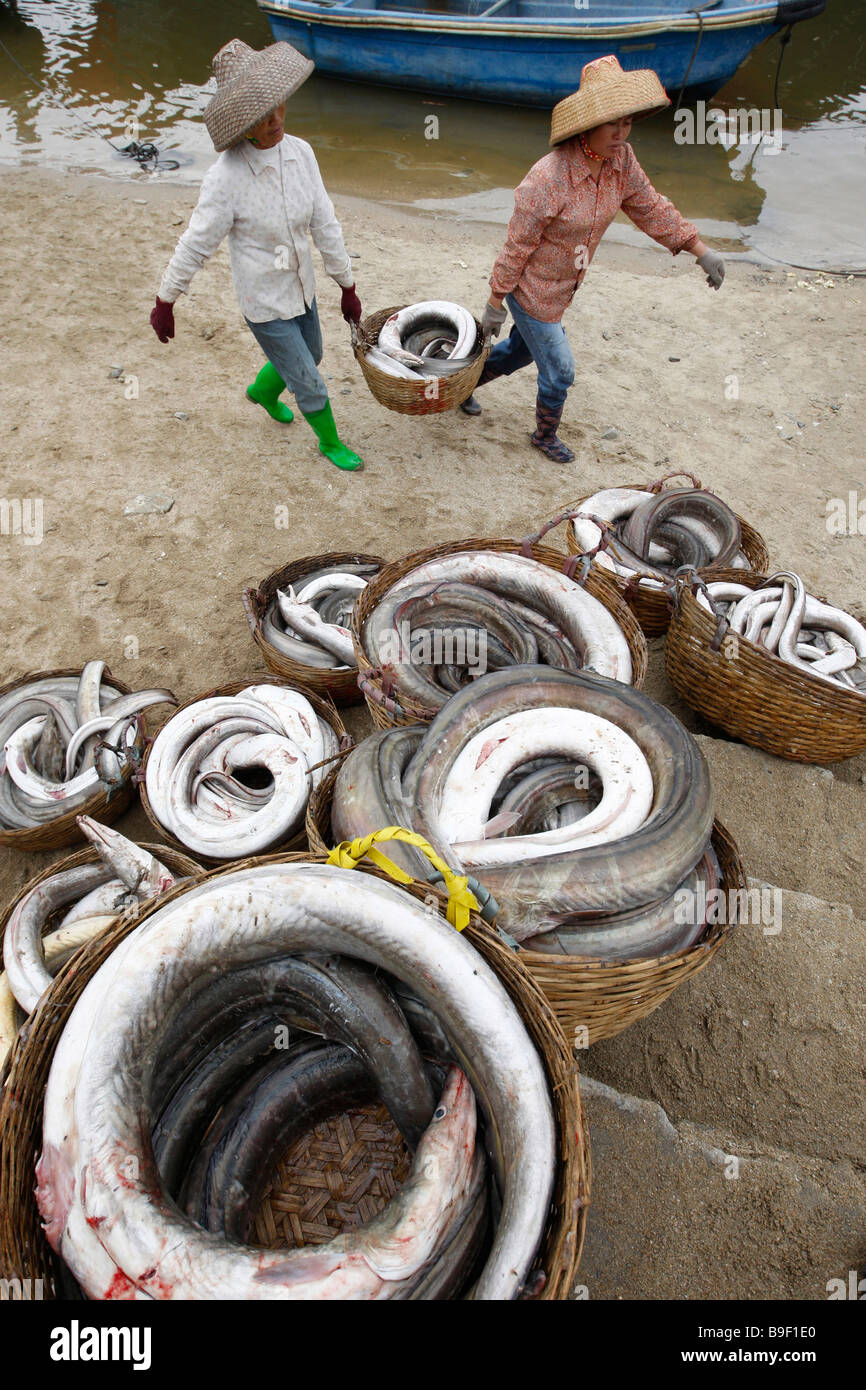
(250, 83)
(606, 93)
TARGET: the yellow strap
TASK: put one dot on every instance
(461, 901)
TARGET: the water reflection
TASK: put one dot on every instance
(137, 69)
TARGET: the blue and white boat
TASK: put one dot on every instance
(529, 52)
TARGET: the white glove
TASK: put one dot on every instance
(713, 264)
(492, 320)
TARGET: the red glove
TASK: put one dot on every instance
(350, 305)
(162, 320)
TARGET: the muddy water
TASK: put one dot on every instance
(102, 72)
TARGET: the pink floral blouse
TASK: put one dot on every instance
(560, 216)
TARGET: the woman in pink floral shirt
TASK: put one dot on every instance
(561, 211)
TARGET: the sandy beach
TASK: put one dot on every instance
(757, 389)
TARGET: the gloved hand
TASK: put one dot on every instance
(162, 320)
(350, 305)
(492, 320)
(713, 264)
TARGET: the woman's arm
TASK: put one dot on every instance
(211, 221)
(655, 214)
(325, 230)
(535, 205)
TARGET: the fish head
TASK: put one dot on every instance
(100, 835)
(447, 1147)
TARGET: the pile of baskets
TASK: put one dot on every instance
(349, 1166)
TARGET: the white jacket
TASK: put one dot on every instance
(267, 202)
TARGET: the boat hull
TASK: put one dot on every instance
(521, 69)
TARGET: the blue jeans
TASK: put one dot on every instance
(545, 344)
(294, 348)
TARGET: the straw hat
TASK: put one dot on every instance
(250, 83)
(606, 94)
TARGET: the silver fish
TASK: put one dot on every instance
(272, 908)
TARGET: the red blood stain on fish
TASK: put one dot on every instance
(489, 747)
(161, 1288)
(120, 1287)
(55, 1188)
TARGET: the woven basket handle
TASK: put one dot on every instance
(681, 473)
(687, 578)
(367, 684)
(460, 900)
(249, 597)
(573, 560)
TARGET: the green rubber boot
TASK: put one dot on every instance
(330, 444)
(265, 391)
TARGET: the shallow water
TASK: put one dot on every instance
(136, 69)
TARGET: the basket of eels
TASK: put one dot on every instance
(230, 772)
(71, 741)
(68, 904)
(580, 813)
(640, 534)
(295, 1080)
(439, 618)
(771, 664)
(298, 617)
(421, 359)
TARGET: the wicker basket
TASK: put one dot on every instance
(411, 397)
(171, 858)
(754, 695)
(653, 607)
(388, 712)
(342, 686)
(105, 805)
(597, 996)
(321, 704)
(24, 1251)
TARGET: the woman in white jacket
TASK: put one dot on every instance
(265, 192)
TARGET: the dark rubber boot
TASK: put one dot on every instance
(265, 390)
(471, 406)
(545, 438)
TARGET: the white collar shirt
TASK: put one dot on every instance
(268, 203)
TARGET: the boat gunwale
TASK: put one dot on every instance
(577, 28)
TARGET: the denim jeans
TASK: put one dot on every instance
(545, 344)
(294, 348)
